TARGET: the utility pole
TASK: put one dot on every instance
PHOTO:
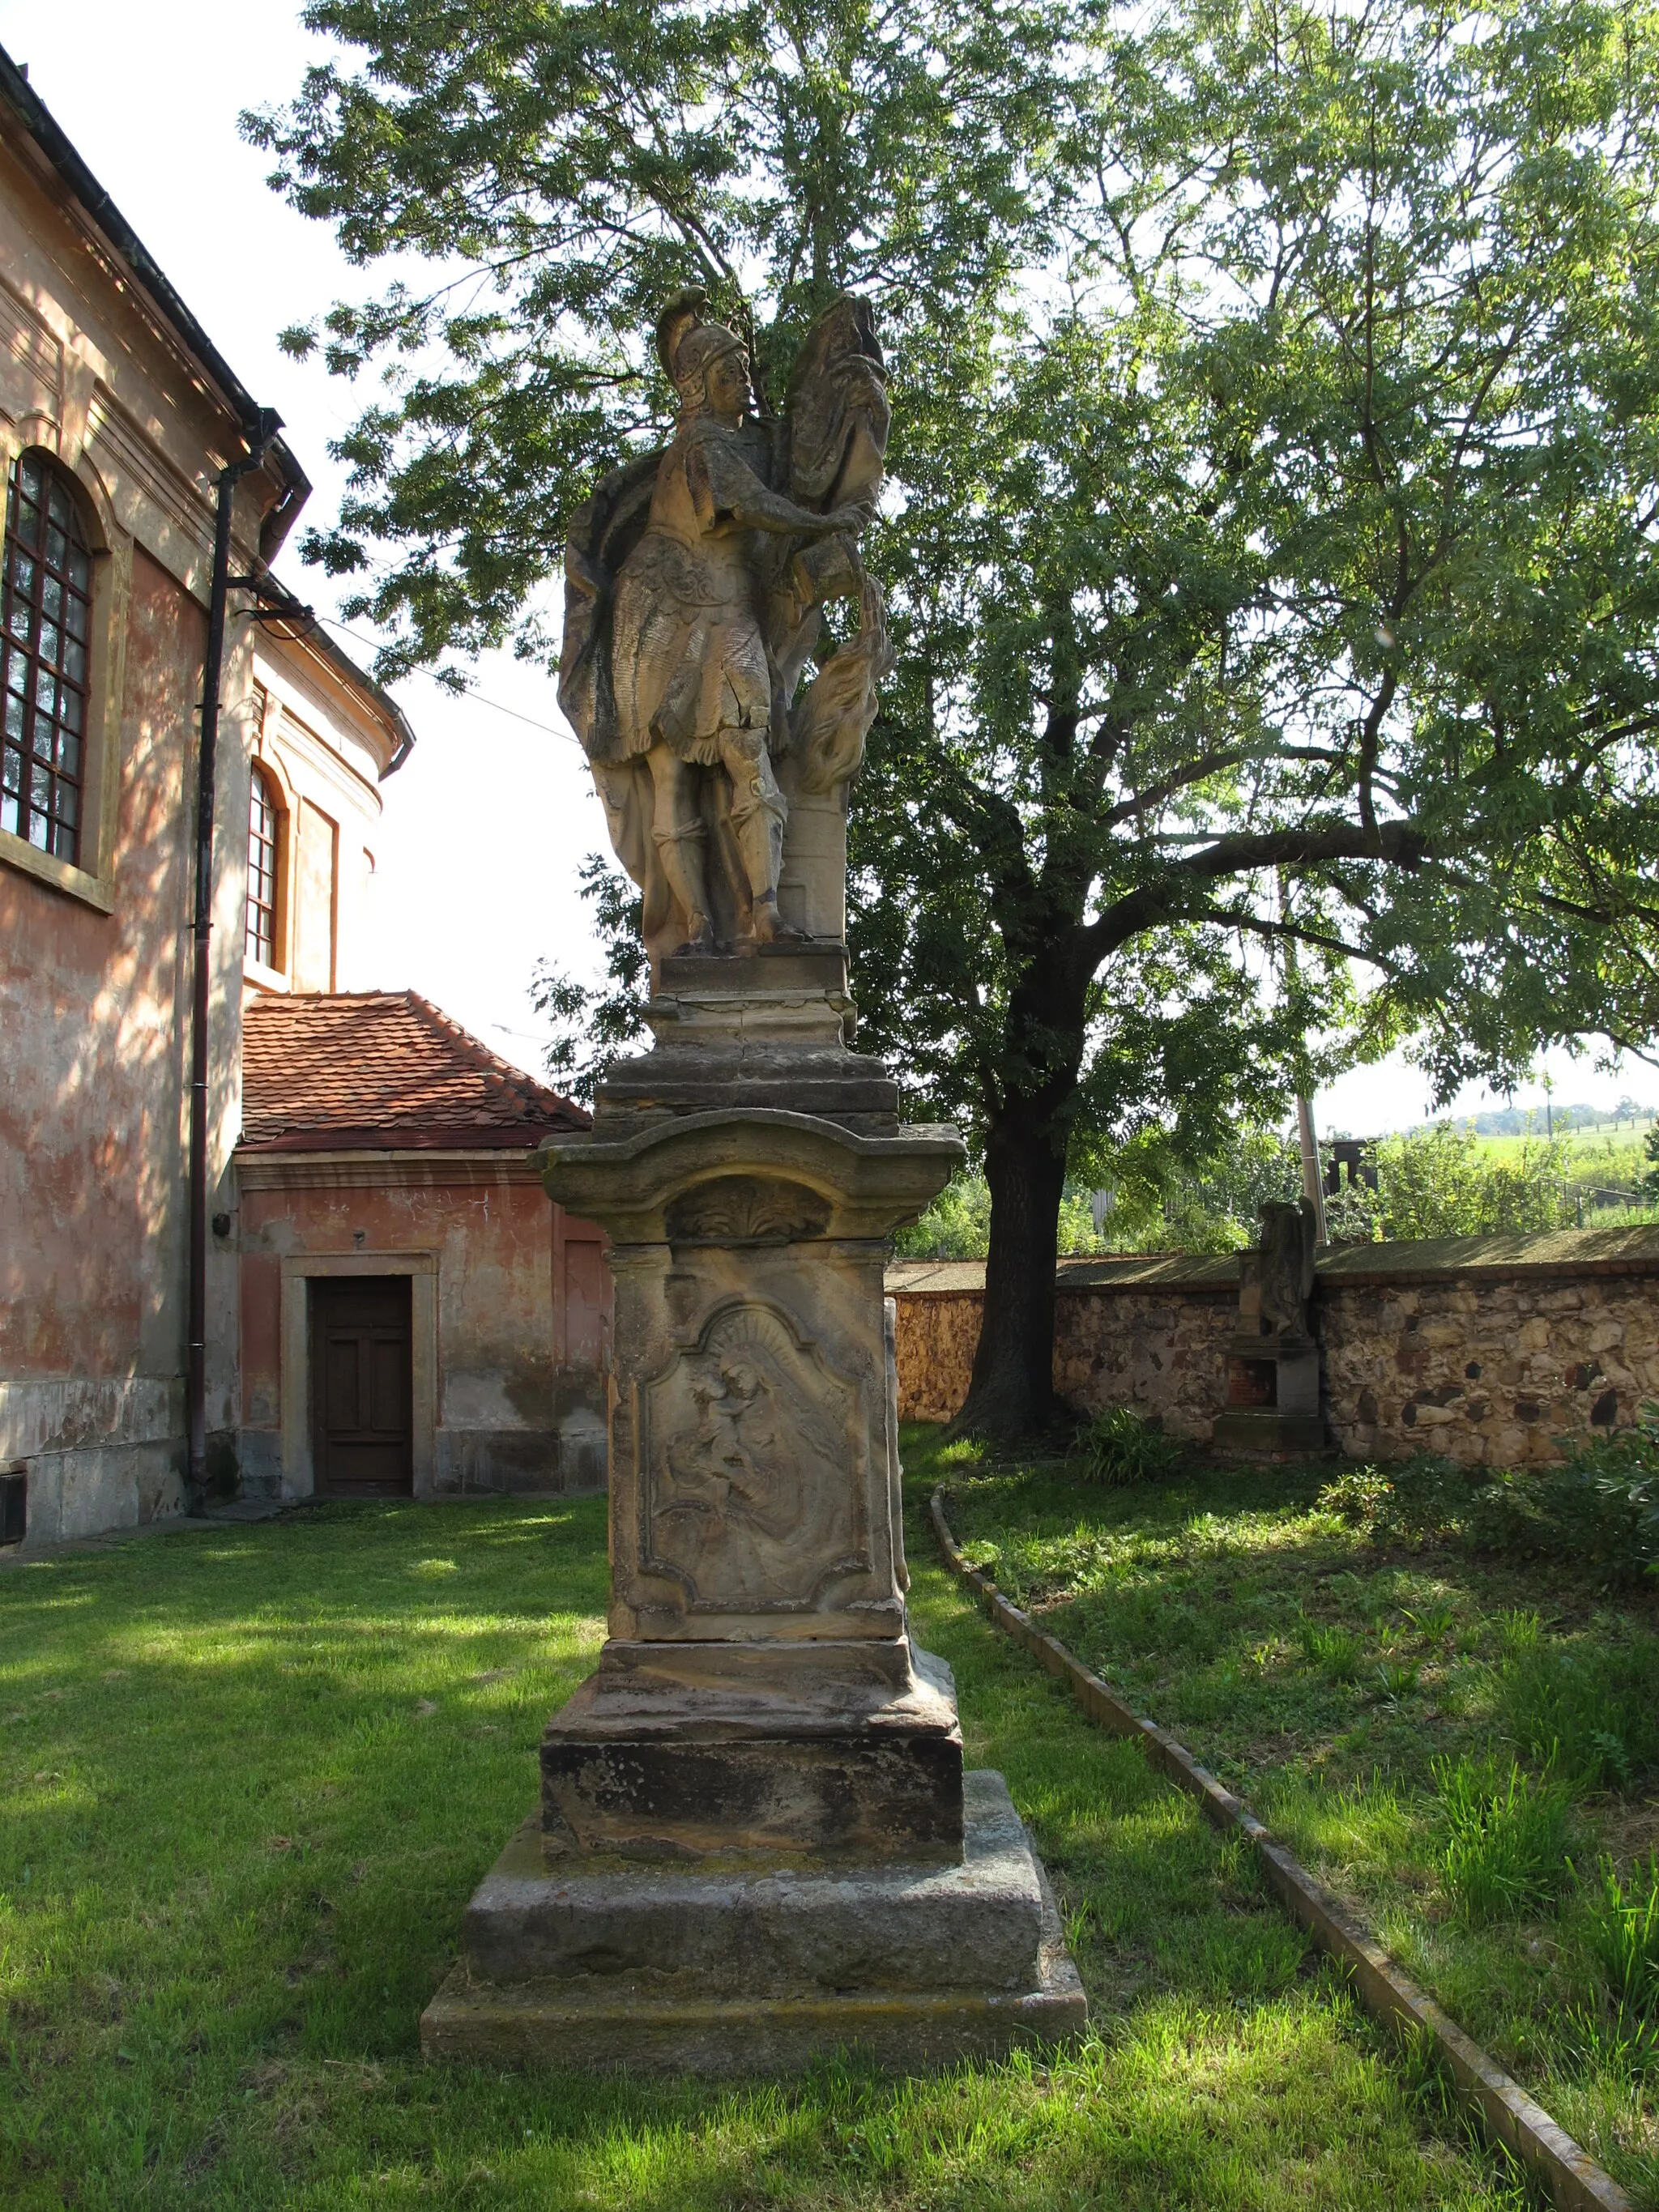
(1313, 1182)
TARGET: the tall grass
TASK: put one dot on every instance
(1622, 1937)
(1504, 1852)
(1593, 1711)
(1120, 1448)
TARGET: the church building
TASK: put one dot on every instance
(390, 1303)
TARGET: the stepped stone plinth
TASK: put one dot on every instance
(756, 1842)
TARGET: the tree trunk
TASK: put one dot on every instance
(1012, 1389)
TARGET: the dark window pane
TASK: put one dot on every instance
(46, 622)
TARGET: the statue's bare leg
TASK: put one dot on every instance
(679, 834)
(758, 814)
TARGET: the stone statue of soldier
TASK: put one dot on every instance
(696, 581)
(1284, 1266)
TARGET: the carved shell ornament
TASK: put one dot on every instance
(747, 1209)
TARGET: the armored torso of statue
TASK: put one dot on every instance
(696, 579)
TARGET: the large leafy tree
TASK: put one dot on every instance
(552, 170)
(1289, 577)
(1272, 551)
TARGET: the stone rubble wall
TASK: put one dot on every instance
(1500, 1373)
(1493, 1351)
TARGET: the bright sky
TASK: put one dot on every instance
(486, 824)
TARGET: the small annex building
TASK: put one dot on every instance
(416, 1317)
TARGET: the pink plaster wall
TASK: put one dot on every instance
(94, 1013)
(523, 1317)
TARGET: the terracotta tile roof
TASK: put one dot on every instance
(382, 1070)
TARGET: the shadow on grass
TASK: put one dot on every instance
(252, 1777)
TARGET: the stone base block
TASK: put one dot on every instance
(761, 1972)
(822, 1752)
(1262, 1433)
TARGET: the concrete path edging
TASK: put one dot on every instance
(1567, 2173)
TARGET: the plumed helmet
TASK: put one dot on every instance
(687, 345)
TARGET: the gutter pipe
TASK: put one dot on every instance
(259, 430)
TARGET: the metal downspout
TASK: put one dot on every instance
(259, 433)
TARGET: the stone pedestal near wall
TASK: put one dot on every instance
(756, 1841)
(1272, 1363)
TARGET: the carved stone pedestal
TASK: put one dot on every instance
(755, 1840)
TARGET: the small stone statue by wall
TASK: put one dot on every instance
(1273, 1361)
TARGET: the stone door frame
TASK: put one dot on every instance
(299, 1268)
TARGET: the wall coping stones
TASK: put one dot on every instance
(1558, 1252)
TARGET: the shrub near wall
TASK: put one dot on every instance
(1493, 1350)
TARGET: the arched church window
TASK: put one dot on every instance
(46, 623)
(264, 824)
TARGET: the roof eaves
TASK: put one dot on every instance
(318, 641)
(49, 135)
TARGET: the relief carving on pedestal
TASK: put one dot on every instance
(754, 1469)
(747, 1209)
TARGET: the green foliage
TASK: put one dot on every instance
(1505, 1852)
(1590, 1711)
(591, 1027)
(1596, 1507)
(955, 1227)
(543, 177)
(1621, 1917)
(1120, 1447)
(1336, 1651)
(1440, 1182)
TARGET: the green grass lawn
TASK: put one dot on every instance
(250, 1776)
(1465, 1747)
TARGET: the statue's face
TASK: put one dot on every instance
(727, 385)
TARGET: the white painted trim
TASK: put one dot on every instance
(299, 1471)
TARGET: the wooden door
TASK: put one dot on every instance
(361, 1385)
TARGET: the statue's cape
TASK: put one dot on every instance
(604, 531)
